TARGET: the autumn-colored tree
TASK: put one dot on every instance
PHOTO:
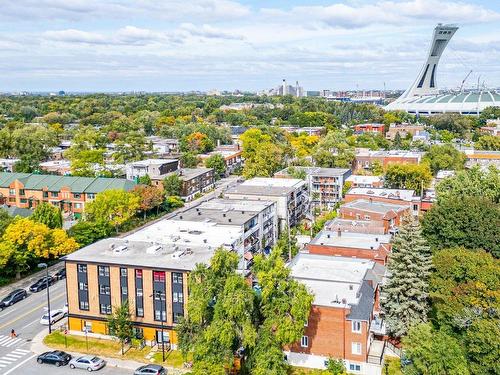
(150, 197)
(198, 142)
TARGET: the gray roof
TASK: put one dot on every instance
(190, 173)
(140, 254)
(364, 308)
(271, 191)
(229, 217)
(317, 171)
(17, 211)
(374, 206)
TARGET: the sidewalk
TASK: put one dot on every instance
(38, 347)
(25, 282)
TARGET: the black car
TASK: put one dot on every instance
(61, 274)
(41, 284)
(13, 297)
(57, 357)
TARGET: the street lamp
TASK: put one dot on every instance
(156, 293)
(44, 265)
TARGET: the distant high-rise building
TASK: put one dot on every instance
(286, 89)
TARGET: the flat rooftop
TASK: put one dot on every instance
(317, 171)
(190, 173)
(401, 194)
(263, 186)
(121, 251)
(346, 239)
(392, 153)
(359, 179)
(273, 182)
(373, 206)
(236, 205)
(331, 279)
(148, 162)
(218, 216)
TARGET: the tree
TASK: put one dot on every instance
(114, 206)
(471, 222)
(483, 347)
(408, 176)
(264, 154)
(49, 215)
(120, 325)
(333, 151)
(88, 147)
(197, 142)
(144, 180)
(88, 232)
(189, 160)
(452, 122)
(5, 220)
(488, 142)
(150, 197)
(335, 366)
(434, 352)
(471, 182)
(172, 185)
(444, 157)
(405, 295)
(218, 163)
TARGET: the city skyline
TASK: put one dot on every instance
(52, 45)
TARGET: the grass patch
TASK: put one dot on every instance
(172, 358)
(98, 347)
(306, 371)
(394, 367)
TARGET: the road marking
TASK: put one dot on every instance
(5, 362)
(21, 351)
(31, 311)
(4, 339)
(17, 355)
(12, 343)
(19, 365)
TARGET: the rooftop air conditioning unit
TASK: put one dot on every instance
(153, 249)
(119, 249)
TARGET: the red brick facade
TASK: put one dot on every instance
(378, 255)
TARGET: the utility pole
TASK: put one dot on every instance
(44, 265)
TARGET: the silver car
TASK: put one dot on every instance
(87, 362)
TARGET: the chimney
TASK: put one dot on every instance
(224, 214)
(229, 220)
(328, 235)
(199, 213)
(180, 217)
(376, 239)
(339, 232)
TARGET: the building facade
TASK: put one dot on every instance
(156, 169)
(394, 196)
(373, 128)
(365, 159)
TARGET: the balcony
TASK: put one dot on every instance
(377, 327)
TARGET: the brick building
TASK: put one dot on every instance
(70, 194)
(369, 128)
(232, 155)
(403, 130)
(396, 196)
(364, 159)
(365, 181)
(344, 322)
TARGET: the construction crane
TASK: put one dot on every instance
(465, 79)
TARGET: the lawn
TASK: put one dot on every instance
(107, 348)
(306, 371)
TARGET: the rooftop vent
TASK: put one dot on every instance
(328, 235)
(119, 249)
(230, 220)
(351, 287)
(153, 249)
(178, 254)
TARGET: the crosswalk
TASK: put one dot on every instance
(12, 357)
(7, 341)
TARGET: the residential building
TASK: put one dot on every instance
(369, 128)
(344, 321)
(232, 155)
(365, 181)
(422, 136)
(403, 129)
(164, 146)
(256, 220)
(492, 128)
(389, 215)
(336, 242)
(396, 196)
(70, 194)
(151, 277)
(355, 226)
(309, 130)
(290, 195)
(365, 158)
(7, 165)
(482, 158)
(324, 184)
(156, 169)
(196, 181)
(60, 167)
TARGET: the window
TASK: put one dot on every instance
(12, 191)
(21, 192)
(104, 271)
(84, 305)
(139, 292)
(12, 199)
(158, 276)
(138, 274)
(82, 268)
(83, 286)
(178, 316)
(356, 326)
(306, 324)
(45, 194)
(415, 207)
(76, 195)
(159, 295)
(104, 289)
(54, 194)
(123, 272)
(24, 201)
(105, 309)
(90, 196)
(157, 315)
(78, 206)
(354, 367)
(356, 348)
(367, 217)
(124, 290)
(304, 341)
(139, 312)
(178, 297)
(177, 278)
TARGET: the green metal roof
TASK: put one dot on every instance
(56, 183)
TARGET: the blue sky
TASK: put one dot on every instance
(180, 45)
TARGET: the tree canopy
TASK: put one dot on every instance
(49, 215)
(113, 206)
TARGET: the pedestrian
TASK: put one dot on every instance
(13, 333)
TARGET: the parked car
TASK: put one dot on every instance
(87, 362)
(13, 297)
(61, 274)
(151, 370)
(55, 316)
(41, 284)
(56, 357)
(65, 309)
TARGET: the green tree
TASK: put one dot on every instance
(144, 180)
(5, 220)
(335, 366)
(444, 157)
(408, 176)
(333, 151)
(488, 142)
(218, 163)
(88, 232)
(172, 185)
(189, 160)
(434, 352)
(114, 206)
(120, 324)
(483, 346)
(397, 143)
(49, 215)
(471, 222)
(405, 295)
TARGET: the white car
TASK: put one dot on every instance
(55, 316)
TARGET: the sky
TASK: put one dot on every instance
(183, 45)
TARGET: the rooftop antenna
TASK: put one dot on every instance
(465, 79)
